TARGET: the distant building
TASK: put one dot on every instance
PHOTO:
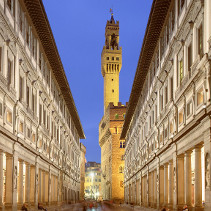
(92, 180)
(82, 170)
(40, 129)
(167, 127)
(110, 127)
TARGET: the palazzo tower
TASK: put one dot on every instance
(111, 62)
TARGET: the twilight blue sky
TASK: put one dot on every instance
(79, 27)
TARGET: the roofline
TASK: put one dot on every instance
(156, 19)
(41, 23)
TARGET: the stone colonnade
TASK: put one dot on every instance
(22, 182)
(173, 182)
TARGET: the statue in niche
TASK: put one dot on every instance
(114, 41)
(207, 171)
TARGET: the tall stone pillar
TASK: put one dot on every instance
(50, 188)
(20, 183)
(147, 187)
(158, 183)
(198, 179)
(180, 184)
(9, 180)
(46, 186)
(40, 185)
(32, 184)
(175, 179)
(43, 186)
(187, 175)
(155, 189)
(36, 184)
(171, 183)
(27, 183)
(1, 178)
(207, 158)
(207, 23)
(166, 184)
(161, 185)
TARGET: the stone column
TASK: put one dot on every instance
(32, 184)
(198, 179)
(161, 185)
(147, 187)
(171, 182)
(20, 183)
(207, 23)
(36, 184)
(40, 185)
(180, 184)
(158, 183)
(166, 184)
(9, 189)
(1, 178)
(155, 189)
(46, 184)
(207, 151)
(49, 188)
(27, 183)
(43, 186)
(187, 175)
(175, 179)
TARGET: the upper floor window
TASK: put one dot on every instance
(180, 5)
(9, 71)
(200, 41)
(181, 70)
(200, 96)
(190, 59)
(11, 6)
(0, 59)
(21, 88)
(181, 117)
(122, 144)
(9, 116)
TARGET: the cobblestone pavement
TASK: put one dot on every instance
(103, 207)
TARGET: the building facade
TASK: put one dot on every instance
(93, 180)
(40, 129)
(82, 170)
(112, 149)
(167, 125)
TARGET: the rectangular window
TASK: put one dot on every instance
(190, 59)
(166, 93)
(117, 58)
(33, 102)
(21, 18)
(11, 6)
(172, 127)
(9, 116)
(21, 88)
(21, 127)
(181, 71)
(1, 109)
(28, 133)
(9, 71)
(40, 113)
(200, 41)
(40, 60)
(33, 137)
(165, 132)
(161, 101)
(189, 108)
(181, 119)
(27, 95)
(27, 34)
(172, 88)
(200, 96)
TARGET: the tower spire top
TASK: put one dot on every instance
(112, 14)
